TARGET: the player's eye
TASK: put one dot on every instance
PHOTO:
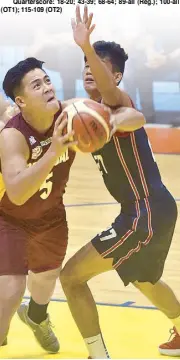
(48, 81)
(36, 86)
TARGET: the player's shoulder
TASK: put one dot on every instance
(16, 127)
(12, 144)
(14, 122)
(12, 140)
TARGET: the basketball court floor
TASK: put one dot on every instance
(132, 328)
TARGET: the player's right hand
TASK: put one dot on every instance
(82, 28)
(61, 139)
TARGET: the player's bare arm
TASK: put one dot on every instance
(126, 120)
(106, 84)
(123, 119)
(21, 181)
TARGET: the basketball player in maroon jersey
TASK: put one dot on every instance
(35, 164)
(137, 242)
(35, 172)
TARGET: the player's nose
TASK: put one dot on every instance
(47, 87)
(88, 71)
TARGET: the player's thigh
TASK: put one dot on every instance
(13, 248)
(99, 255)
(89, 261)
(83, 266)
(47, 249)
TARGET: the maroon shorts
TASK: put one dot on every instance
(32, 245)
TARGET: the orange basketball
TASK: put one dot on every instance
(90, 122)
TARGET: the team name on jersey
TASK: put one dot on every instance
(36, 152)
(63, 158)
(46, 142)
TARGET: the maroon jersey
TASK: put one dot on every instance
(49, 196)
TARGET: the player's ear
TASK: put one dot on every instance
(20, 101)
(118, 77)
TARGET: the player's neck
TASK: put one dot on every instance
(41, 123)
(96, 97)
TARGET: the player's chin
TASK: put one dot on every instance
(52, 105)
(90, 87)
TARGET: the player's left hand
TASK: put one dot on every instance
(82, 28)
(114, 125)
(113, 120)
(116, 118)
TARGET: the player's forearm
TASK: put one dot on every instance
(128, 119)
(28, 182)
(103, 77)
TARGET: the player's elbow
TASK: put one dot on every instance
(141, 119)
(15, 198)
(138, 120)
(16, 201)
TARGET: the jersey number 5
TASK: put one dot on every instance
(46, 186)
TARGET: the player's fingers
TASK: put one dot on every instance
(61, 127)
(73, 24)
(107, 108)
(78, 14)
(113, 124)
(113, 131)
(89, 20)
(71, 143)
(58, 121)
(68, 136)
(62, 116)
(85, 15)
(61, 122)
(113, 121)
(92, 28)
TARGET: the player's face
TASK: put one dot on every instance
(89, 83)
(38, 93)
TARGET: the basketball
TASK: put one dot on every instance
(90, 122)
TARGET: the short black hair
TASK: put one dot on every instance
(113, 51)
(14, 76)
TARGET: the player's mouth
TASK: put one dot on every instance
(89, 80)
(50, 99)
